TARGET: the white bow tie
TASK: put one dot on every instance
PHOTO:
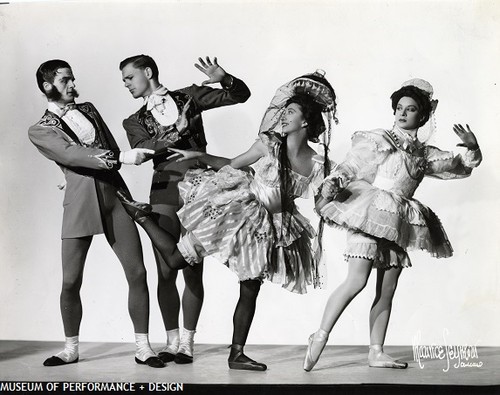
(66, 108)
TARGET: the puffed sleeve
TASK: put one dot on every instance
(368, 151)
(447, 165)
(270, 140)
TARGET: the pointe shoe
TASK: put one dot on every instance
(239, 361)
(318, 340)
(136, 210)
(153, 362)
(378, 359)
(56, 361)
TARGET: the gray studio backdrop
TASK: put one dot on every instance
(367, 50)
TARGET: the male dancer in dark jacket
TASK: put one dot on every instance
(173, 119)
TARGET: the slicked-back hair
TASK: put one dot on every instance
(141, 62)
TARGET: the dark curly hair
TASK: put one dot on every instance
(423, 100)
(311, 111)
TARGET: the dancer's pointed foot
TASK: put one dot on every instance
(377, 358)
(136, 210)
(239, 361)
(317, 342)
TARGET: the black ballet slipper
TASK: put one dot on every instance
(153, 362)
(56, 361)
(166, 356)
(183, 359)
(239, 361)
(136, 210)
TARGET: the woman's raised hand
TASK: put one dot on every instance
(467, 137)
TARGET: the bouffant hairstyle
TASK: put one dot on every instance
(421, 97)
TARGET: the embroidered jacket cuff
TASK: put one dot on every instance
(228, 82)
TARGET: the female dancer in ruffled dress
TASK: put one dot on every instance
(249, 220)
(371, 195)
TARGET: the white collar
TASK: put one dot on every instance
(54, 107)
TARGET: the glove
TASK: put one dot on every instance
(136, 156)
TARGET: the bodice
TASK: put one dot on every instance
(401, 173)
(266, 182)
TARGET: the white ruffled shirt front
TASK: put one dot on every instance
(162, 106)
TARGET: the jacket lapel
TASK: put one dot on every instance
(51, 119)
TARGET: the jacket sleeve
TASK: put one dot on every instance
(138, 136)
(447, 165)
(206, 97)
(54, 146)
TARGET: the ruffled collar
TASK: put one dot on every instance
(404, 140)
(156, 97)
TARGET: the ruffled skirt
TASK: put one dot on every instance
(389, 218)
(224, 219)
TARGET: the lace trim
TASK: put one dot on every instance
(369, 136)
(433, 152)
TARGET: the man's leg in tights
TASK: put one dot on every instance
(123, 237)
(168, 296)
(74, 252)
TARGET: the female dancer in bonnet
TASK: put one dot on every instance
(249, 221)
(370, 195)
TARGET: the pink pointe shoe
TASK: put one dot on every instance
(317, 342)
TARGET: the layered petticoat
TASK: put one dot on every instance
(224, 219)
(381, 173)
(362, 207)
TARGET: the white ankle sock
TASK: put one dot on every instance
(172, 345)
(143, 349)
(186, 344)
(70, 352)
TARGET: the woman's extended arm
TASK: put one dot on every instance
(254, 153)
